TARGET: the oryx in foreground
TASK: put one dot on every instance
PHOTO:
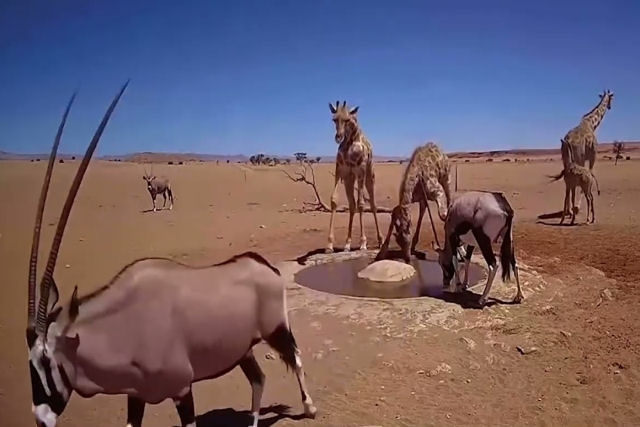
(158, 186)
(157, 327)
(478, 218)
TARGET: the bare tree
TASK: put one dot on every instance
(306, 174)
(618, 149)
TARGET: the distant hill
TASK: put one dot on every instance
(152, 157)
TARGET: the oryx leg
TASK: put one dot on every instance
(153, 200)
(487, 252)
(363, 234)
(254, 374)
(334, 206)
(349, 183)
(514, 265)
(574, 211)
(467, 261)
(283, 342)
(186, 411)
(135, 411)
(170, 198)
(164, 194)
(369, 182)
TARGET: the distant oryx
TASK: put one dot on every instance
(157, 327)
(479, 218)
(158, 186)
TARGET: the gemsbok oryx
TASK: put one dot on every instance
(158, 186)
(478, 218)
(157, 327)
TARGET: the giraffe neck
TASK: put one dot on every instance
(594, 117)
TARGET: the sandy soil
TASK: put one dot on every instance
(585, 370)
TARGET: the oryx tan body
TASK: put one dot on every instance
(154, 330)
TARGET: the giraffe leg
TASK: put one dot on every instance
(363, 235)
(349, 187)
(416, 235)
(370, 180)
(385, 245)
(334, 206)
(565, 210)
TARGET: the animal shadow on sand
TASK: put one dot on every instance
(556, 215)
(229, 417)
(151, 210)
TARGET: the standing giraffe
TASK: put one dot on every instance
(427, 173)
(354, 164)
(580, 142)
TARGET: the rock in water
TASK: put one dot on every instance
(387, 271)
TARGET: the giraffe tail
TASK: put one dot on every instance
(556, 177)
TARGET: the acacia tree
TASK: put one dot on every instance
(618, 148)
(300, 156)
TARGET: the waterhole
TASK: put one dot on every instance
(341, 278)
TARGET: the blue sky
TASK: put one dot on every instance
(256, 76)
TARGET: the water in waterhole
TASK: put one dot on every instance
(341, 278)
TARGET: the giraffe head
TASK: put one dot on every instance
(607, 98)
(346, 121)
(402, 229)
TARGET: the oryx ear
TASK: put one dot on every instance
(332, 108)
(53, 296)
(153, 177)
(74, 306)
(354, 111)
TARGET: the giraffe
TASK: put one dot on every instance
(580, 143)
(354, 166)
(581, 177)
(427, 172)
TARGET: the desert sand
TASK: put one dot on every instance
(578, 325)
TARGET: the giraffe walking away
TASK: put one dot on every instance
(354, 166)
(581, 143)
(427, 177)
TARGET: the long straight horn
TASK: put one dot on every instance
(66, 210)
(33, 261)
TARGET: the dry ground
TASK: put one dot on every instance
(585, 370)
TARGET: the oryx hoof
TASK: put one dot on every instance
(328, 249)
(310, 411)
(518, 299)
(363, 246)
(347, 247)
(481, 302)
(171, 207)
